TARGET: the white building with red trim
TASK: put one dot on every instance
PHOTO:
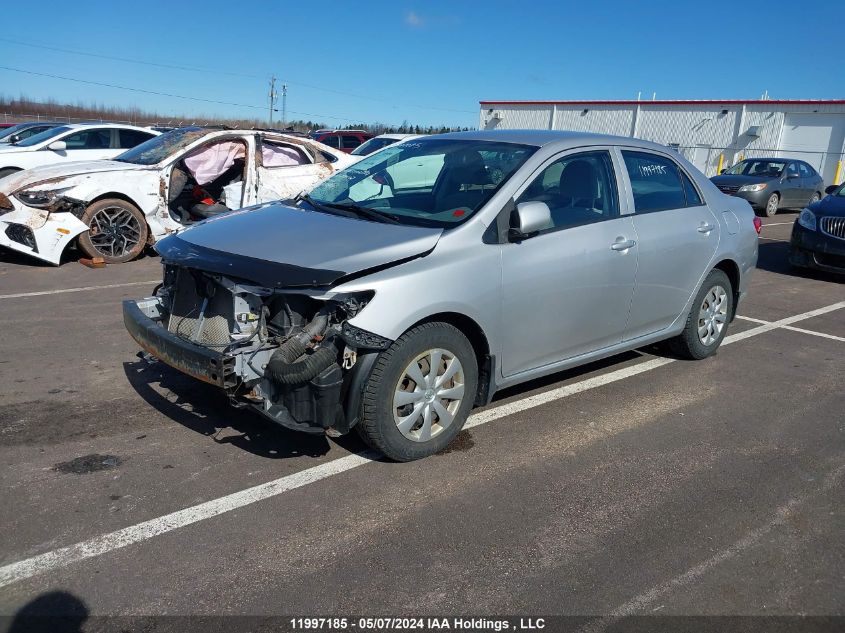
(709, 132)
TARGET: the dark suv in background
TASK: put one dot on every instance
(770, 184)
(344, 140)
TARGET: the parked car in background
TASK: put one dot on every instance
(770, 184)
(378, 142)
(23, 131)
(73, 142)
(818, 235)
(344, 140)
(398, 313)
(116, 207)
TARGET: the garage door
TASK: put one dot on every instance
(815, 138)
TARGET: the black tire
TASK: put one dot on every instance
(378, 426)
(688, 344)
(136, 231)
(8, 171)
(772, 204)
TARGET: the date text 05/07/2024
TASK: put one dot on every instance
(415, 624)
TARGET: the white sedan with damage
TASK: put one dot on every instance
(114, 208)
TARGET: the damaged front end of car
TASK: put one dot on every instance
(286, 352)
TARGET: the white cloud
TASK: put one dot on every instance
(413, 19)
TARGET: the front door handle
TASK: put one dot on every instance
(623, 245)
(705, 228)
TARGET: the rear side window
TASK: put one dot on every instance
(806, 170)
(350, 142)
(655, 182)
(131, 138)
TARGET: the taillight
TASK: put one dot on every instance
(758, 224)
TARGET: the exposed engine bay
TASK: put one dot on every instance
(288, 353)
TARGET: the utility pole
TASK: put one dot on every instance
(284, 105)
(273, 96)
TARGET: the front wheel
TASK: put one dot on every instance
(420, 392)
(117, 231)
(708, 318)
(772, 205)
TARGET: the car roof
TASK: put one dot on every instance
(121, 126)
(540, 138)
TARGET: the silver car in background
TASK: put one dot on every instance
(393, 302)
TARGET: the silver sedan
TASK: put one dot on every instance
(410, 287)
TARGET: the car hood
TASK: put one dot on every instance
(739, 180)
(48, 174)
(829, 205)
(281, 246)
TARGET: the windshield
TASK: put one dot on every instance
(368, 147)
(424, 182)
(43, 136)
(159, 148)
(767, 168)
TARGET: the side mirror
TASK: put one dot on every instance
(14, 138)
(831, 189)
(530, 218)
(57, 146)
(724, 170)
(792, 176)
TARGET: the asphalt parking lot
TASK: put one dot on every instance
(640, 485)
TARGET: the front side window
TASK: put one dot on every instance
(331, 141)
(424, 182)
(89, 139)
(792, 171)
(578, 189)
(655, 182)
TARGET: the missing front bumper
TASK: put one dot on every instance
(199, 362)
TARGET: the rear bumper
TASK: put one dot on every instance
(812, 249)
(194, 360)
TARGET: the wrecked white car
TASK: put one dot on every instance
(117, 207)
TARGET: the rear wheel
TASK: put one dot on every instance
(772, 205)
(420, 392)
(117, 231)
(707, 322)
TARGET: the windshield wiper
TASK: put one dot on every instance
(351, 210)
(366, 212)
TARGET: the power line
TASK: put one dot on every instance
(233, 74)
(165, 94)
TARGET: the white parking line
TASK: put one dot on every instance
(82, 289)
(55, 559)
(791, 328)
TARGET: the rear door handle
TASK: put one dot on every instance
(705, 228)
(623, 245)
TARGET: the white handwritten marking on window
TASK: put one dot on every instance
(652, 170)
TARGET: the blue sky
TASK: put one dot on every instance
(425, 62)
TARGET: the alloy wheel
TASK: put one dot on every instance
(114, 231)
